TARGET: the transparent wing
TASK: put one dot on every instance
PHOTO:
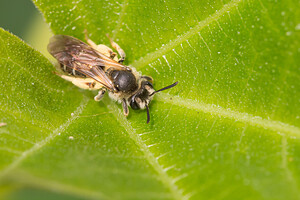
(81, 57)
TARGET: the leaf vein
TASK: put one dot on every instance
(143, 61)
(153, 161)
(277, 126)
(51, 185)
(42, 143)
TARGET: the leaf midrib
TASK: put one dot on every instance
(48, 139)
(152, 160)
(276, 126)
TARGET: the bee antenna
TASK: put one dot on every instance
(168, 87)
(148, 114)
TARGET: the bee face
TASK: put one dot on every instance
(142, 97)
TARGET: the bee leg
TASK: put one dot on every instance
(84, 83)
(118, 48)
(101, 47)
(100, 95)
(106, 51)
(125, 107)
(88, 40)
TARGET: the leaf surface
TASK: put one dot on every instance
(229, 130)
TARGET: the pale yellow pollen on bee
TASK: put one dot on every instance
(138, 100)
(147, 87)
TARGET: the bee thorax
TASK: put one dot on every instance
(124, 81)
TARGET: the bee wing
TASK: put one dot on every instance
(95, 73)
(81, 57)
(81, 51)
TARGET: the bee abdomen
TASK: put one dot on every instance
(71, 71)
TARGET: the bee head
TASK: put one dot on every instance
(144, 95)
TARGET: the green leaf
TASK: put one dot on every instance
(229, 130)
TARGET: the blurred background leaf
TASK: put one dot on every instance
(17, 16)
(229, 130)
(24, 20)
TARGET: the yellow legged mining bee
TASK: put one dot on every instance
(97, 67)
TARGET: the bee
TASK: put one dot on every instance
(97, 67)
